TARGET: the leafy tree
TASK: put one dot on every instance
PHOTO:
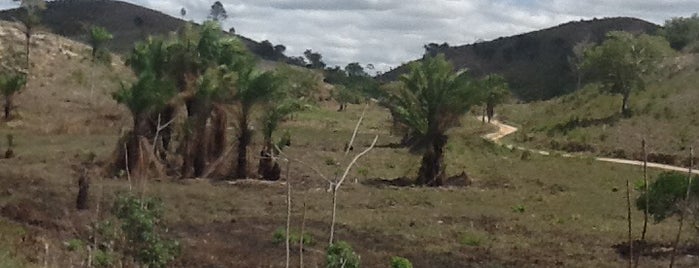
(400, 262)
(666, 193)
(218, 12)
(577, 59)
(341, 255)
(183, 12)
(496, 91)
(315, 59)
(355, 69)
(99, 36)
(681, 32)
(142, 225)
(10, 84)
(623, 61)
(430, 101)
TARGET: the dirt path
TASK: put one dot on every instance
(505, 130)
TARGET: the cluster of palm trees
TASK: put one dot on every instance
(186, 87)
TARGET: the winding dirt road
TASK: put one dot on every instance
(505, 130)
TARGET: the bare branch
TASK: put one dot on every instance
(356, 128)
(354, 160)
(281, 153)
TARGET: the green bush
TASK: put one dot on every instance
(665, 194)
(141, 223)
(341, 255)
(102, 258)
(279, 237)
(74, 244)
(471, 240)
(400, 262)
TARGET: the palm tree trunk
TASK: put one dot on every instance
(625, 105)
(244, 139)
(8, 106)
(432, 168)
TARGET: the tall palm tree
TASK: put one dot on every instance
(431, 100)
(30, 19)
(252, 88)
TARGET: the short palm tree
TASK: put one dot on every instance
(10, 84)
(430, 101)
(496, 92)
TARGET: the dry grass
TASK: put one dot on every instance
(541, 212)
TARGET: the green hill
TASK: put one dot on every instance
(535, 64)
(666, 114)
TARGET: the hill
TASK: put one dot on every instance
(535, 64)
(518, 211)
(665, 114)
(127, 22)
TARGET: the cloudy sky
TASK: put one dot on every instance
(387, 33)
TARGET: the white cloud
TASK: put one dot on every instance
(389, 32)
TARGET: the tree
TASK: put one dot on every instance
(623, 61)
(496, 92)
(681, 32)
(252, 88)
(275, 113)
(231, 30)
(577, 59)
(666, 194)
(218, 12)
(10, 84)
(30, 19)
(98, 38)
(430, 101)
(315, 59)
(183, 12)
(355, 69)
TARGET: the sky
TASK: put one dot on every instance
(386, 33)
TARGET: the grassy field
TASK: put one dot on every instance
(520, 211)
(665, 114)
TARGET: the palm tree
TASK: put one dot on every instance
(253, 88)
(496, 92)
(146, 98)
(275, 113)
(10, 84)
(98, 38)
(30, 19)
(430, 101)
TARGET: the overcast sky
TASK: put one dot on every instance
(387, 33)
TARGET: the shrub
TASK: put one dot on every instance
(141, 223)
(471, 240)
(279, 237)
(102, 258)
(74, 244)
(340, 254)
(665, 194)
(400, 262)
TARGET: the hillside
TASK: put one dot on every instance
(535, 64)
(127, 22)
(588, 121)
